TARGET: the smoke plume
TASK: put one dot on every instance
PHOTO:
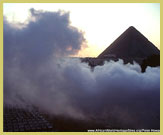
(37, 72)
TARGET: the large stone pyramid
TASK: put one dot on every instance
(131, 45)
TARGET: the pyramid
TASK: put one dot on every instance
(132, 45)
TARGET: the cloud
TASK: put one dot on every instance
(45, 34)
(38, 73)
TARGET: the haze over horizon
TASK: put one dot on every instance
(100, 23)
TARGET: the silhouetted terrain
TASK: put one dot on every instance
(152, 61)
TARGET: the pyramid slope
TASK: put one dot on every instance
(130, 44)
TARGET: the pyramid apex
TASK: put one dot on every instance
(132, 28)
(130, 44)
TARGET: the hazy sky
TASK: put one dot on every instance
(101, 23)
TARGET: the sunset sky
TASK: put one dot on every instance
(101, 23)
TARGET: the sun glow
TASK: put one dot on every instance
(100, 23)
